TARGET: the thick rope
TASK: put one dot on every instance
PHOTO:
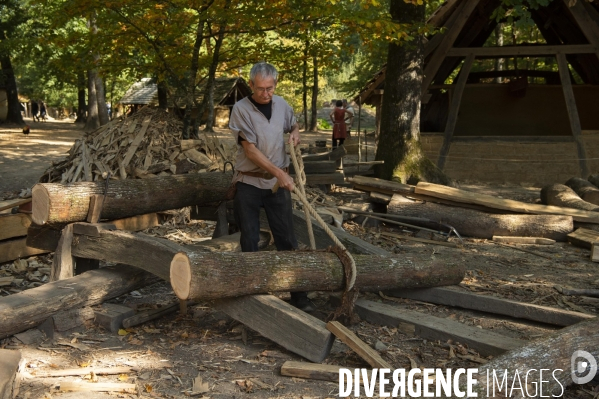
(299, 191)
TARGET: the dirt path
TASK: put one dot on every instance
(23, 159)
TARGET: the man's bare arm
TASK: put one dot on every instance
(294, 135)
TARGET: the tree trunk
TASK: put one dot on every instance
(27, 309)
(101, 98)
(191, 80)
(162, 95)
(499, 61)
(55, 203)
(10, 84)
(81, 104)
(555, 353)
(399, 141)
(564, 196)
(314, 118)
(473, 223)
(212, 76)
(585, 189)
(200, 275)
(148, 253)
(93, 120)
(305, 85)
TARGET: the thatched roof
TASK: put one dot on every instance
(144, 92)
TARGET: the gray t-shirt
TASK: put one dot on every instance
(267, 136)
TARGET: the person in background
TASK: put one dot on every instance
(35, 110)
(338, 116)
(259, 123)
(42, 111)
(348, 121)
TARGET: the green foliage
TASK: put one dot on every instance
(323, 124)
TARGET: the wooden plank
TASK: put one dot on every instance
(63, 264)
(564, 74)
(8, 204)
(337, 177)
(463, 11)
(435, 328)
(96, 203)
(136, 142)
(151, 314)
(594, 253)
(91, 229)
(17, 248)
(524, 240)
(360, 347)
(454, 296)
(81, 371)
(454, 109)
(522, 51)
(313, 371)
(584, 238)
(422, 240)
(282, 323)
(382, 186)
(9, 366)
(469, 197)
(14, 225)
(97, 387)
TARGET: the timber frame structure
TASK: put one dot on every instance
(571, 33)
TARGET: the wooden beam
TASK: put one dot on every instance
(585, 22)
(463, 13)
(14, 225)
(63, 264)
(453, 296)
(8, 204)
(454, 108)
(490, 202)
(17, 248)
(522, 51)
(584, 238)
(9, 367)
(313, 371)
(282, 323)
(564, 74)
(435, 328)
(357, 345)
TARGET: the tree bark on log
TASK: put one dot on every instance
(585, 189)
(197, 275)
(27, 309)
(151, 254)
(561, 195)
(57, 203)
(553, 353)
(472, 223)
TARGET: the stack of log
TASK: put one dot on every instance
(471, 214)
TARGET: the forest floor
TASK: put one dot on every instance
(171, 352)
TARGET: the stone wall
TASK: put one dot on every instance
(502, 160)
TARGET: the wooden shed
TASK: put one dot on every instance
(227, 91)
(476, 127)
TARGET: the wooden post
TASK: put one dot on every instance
(63, 262)
(463, 12)
(454, 108)
(222, 225)
(564, 74)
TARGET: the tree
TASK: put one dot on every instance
(399, 140)
(12, 15)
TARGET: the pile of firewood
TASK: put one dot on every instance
(145, 144)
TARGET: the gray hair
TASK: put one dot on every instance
(265, 70)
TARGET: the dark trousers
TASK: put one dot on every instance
(337, 140)
(248, 201)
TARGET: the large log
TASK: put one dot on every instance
(562, 195)
(470, 222)
(200, 275)
(59, 203)
(585, 189)
(27, 309)
(554, 353)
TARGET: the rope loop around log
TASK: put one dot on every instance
(350, 294)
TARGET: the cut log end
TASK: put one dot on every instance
(41, 204)
(181, 275)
